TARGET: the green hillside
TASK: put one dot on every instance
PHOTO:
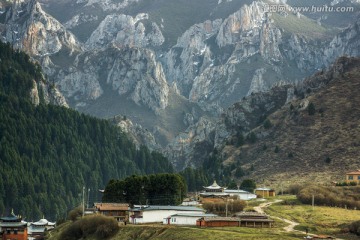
(48, 153)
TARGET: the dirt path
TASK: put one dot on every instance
(292, 224)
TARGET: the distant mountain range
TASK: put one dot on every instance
(169, 71)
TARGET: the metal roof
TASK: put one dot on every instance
(264, 189)
(199, 215)
(223, 219)
(13, 224)
(43, 222)
(161, 207)
(112, 206)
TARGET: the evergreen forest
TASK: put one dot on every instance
(154, 189)
(50, 153)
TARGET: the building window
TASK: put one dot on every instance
(351, 177)
(359, 177)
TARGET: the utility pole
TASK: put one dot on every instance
(88, 198)
(313, 202)
(226, 208)
(83, 201)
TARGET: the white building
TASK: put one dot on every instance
(215, 190)
(151, 214)
(37, 229)
(185, 218)
(241, 194)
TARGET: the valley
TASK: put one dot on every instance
(211, 89)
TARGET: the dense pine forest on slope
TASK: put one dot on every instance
(48, 153)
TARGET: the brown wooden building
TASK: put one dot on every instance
(218, 222)
(119, 211)
(254, 219)
(244, 219)
(265, 192)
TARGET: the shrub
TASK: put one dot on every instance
(252, 137)
(291, 107)
(330, 196)
(311, 109)
(219, 208)
(75, 213)
(294, 189)
(248, 185)
(355, 228)
(267, 124)
(239, 172)
(98, 226)
(277, 149)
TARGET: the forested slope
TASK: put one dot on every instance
(48, 153)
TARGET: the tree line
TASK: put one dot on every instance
(155, 189)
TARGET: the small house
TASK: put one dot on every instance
(265, 192)
(353, 177)
(156, 213)
(119, 211)
(185, 218)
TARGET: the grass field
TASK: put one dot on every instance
(320, 220)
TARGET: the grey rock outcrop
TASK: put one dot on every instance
(29, 28)
(124, 30)
(131, 72)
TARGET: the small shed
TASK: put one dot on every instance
(265, 192)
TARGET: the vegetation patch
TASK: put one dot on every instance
(96, 226)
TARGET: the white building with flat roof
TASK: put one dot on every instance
(185, 218)
(156, 213)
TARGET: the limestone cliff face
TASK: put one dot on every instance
(124, 30)
(138, 134)
(108, 5)
(191, 55)
(78, 70)
(208, 60)
(131, 72)
(193, 146)
(29, 28)
(218, 62)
